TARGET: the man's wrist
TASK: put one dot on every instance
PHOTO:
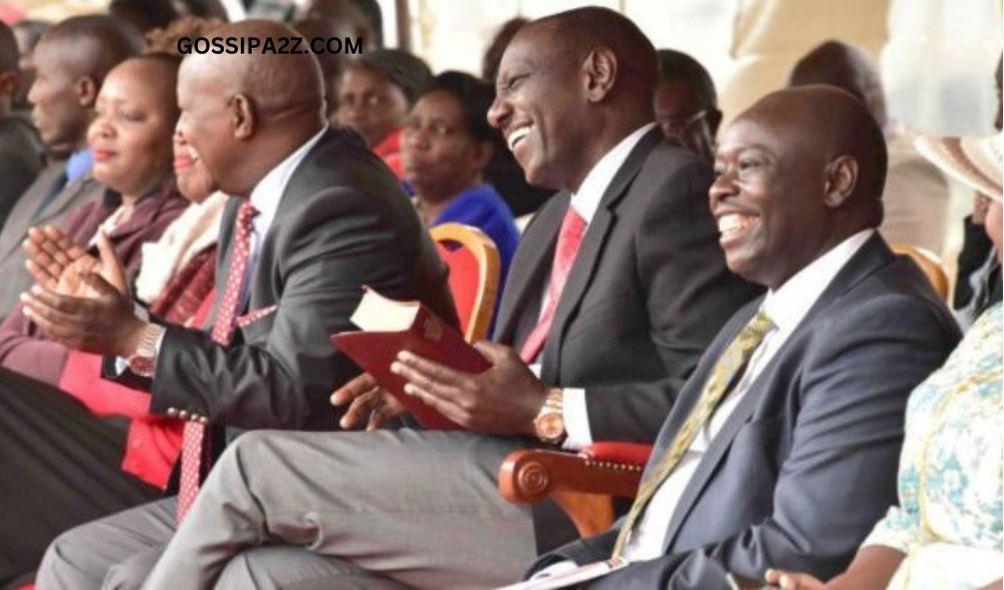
(549, 423)
(142, 359)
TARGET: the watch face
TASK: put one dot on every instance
(550, 425)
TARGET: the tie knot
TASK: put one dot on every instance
(245, 213)
(759, 325)
(573, 223)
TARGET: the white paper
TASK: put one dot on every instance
(582, 573)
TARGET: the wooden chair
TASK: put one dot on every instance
(929, 263)
(583, 484)
(475, 268)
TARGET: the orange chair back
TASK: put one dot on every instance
(474, 266)
(929, 263)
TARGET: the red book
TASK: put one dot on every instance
(390, 326)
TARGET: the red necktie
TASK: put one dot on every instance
(195, 439)
(569, 239)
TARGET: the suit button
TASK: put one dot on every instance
(183, 415)
(203, 420)
(172, 412)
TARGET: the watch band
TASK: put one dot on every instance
(550, 421)
(144, 360)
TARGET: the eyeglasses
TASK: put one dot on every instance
(677, 125)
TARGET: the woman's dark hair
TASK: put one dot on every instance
(406, 71)
(475, 97)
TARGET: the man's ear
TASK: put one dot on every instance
(86, 88)
(243, 117)
(8, 84)
(600, 68)
(841, 178)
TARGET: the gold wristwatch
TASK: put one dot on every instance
(143, 361)
(549, 424)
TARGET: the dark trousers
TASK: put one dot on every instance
(59, 467)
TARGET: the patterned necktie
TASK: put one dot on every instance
(195, 438)
(573, 227)
(729, 365)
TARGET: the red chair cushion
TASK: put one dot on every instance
(464, 280)
(618, 452)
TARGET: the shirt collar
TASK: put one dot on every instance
(587, 200)
(789, 303)
(268, 192)
(78, 164)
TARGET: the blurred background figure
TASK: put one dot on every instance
(27, 33)
(686, 104)
(375, 93)
(20, 149)
(352, 24)
(446, 145)
(916, 196)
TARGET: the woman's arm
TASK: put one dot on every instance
(872, 569)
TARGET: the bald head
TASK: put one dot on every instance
(838, 64)
(273, 83)
(245, 113)
(828, 123)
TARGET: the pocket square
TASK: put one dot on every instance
(255, 315)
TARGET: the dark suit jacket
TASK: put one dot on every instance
(21, 160)
(806, 463)
(648, 291)
(23, 347)
(23, 217)
(342, 222)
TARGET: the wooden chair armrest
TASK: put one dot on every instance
(528, 476)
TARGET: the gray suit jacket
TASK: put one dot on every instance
(648, 291)
(23, 217)
(806, 464)
(343, 222)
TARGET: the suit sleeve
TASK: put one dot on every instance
(839, 476)
(336, 245)
(690, 294)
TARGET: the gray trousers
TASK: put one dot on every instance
(387, 509)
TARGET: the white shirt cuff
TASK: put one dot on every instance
(122, 364)
(573, 410)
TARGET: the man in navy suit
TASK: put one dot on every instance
(782, 447)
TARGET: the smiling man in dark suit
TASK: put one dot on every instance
(783, 445)
(316, 217)
(616, 289)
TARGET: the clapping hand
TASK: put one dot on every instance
(79, 300)
(59, 265)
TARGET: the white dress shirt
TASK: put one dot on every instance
(786, 306)
(265, 198)
(586, 201)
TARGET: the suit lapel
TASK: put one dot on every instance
(873, 255)
(589, 254)
(531, 264)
